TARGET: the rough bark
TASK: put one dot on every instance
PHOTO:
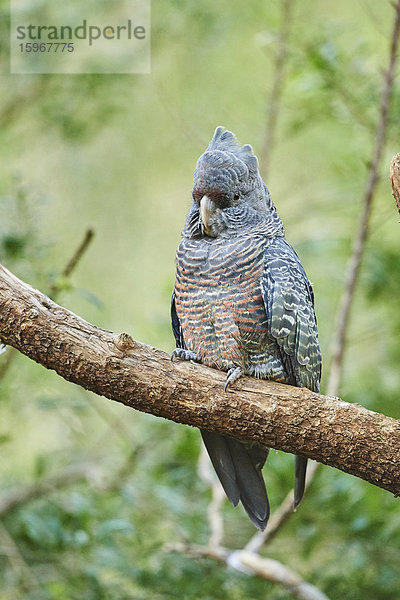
(327, 429)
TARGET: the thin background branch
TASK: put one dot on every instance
(73, 261)
(278, 82)
(353, 268)
(253, 564)
(214, 515)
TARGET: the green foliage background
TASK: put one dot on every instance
(117, 153)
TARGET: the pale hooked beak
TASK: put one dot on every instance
(207, 208)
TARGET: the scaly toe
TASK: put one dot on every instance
(184, 355)
(233, 375)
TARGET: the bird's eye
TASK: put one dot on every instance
(236, 197)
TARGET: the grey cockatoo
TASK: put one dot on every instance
(242, 303)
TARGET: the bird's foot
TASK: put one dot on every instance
(185, 355)
(233, 375)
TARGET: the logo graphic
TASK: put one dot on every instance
(95, 36)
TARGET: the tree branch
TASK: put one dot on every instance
(346, 436)
(279, 517)
(253, 564)
(73, 261)
(275, 95)
(215, 520)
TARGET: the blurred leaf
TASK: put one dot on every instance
(114, 525)
(90, 297)
(13, 246)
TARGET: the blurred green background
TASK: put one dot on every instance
(117, 153)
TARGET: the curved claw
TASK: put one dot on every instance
(300, 469)
(184, 355)
(233, 375)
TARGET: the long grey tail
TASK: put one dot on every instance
(238, 467)
(300, 470)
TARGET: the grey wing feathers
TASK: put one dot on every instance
(220, 456)
(289, 305)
